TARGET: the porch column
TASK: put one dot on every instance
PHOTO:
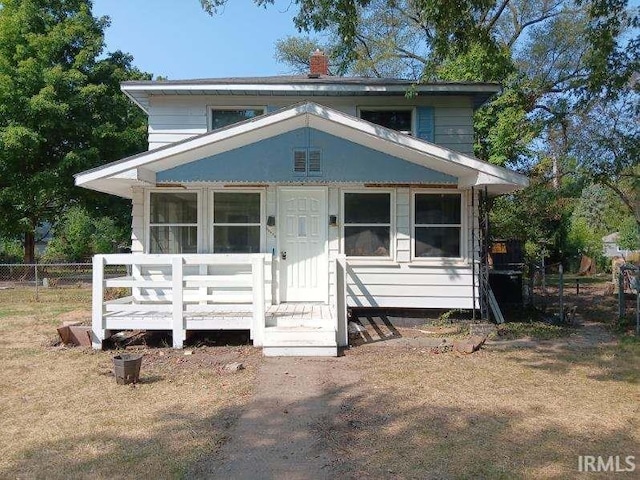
(179, 333)
(258, 323)
(98, 332)
(341, 301)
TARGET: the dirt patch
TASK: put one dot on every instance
(83, 316)
(404, 411)
(279, 433)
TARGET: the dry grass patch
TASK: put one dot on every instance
(63, 415)
(513, 414)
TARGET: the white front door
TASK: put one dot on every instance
(304, 261)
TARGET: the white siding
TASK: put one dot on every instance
(414, 284)
(334, 241)
(176, 117)
(137, 221)
(272, 272)
(454, 128)
(409, 286)
(398, 282)
(403, 225)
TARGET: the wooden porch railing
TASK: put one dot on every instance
(182, 292)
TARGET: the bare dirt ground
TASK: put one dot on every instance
(279, 433)
(396, 409)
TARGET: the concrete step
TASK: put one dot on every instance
(300, 341)
(298, 351)
(275, 336)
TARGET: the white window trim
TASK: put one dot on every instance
(263, 211)
(413, 111)
(464, 248)
(211, 108)
(147, 215)
(392, 224)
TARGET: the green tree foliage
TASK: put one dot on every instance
(629, 235)
(608, 146)
(545, 53)
(78, 236)
(61, 112)
(566, 66)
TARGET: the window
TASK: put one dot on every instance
(221, 117)
(367, 224)
(173, 223)
(399, 120)
(437, 225)
(236, 222)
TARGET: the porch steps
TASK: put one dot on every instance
(300, 341)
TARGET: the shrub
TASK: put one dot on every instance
(78, 236)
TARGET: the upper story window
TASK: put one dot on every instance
(221, 117)
(438, 225)
(399, 119)
(367, 224)
(173, 222)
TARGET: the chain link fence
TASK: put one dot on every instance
(52, 275)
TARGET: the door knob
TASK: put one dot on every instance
(283, 254)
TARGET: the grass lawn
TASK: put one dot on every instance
(519, 413)
(398, 411)
(62, 414)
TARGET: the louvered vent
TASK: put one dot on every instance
(315, 164)
(300, 162)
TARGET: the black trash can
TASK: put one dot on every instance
(127, 368)
(507, 287)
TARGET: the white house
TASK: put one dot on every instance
(611, 248)
(274, 203)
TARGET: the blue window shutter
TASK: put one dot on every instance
(425, 126)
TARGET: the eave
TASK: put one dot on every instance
(140, 91)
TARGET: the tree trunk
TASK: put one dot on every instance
(29, 247)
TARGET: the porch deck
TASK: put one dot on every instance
(225, 318)
(213, 292)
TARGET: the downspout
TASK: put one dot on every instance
(473, 251)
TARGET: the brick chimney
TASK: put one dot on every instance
(319, 64)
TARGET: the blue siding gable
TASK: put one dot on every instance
(271, 160)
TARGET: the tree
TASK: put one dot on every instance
(556, 59)
(608, 145)
(79, 235)
(548, 54)
(61, 111)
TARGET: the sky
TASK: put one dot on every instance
(179, 40)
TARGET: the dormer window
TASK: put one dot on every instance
(222, 117)
(399, 119)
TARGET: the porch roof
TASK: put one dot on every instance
(118, 177)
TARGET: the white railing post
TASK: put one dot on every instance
(258, 324)
(341, 301)
(179, 333)
(98, 332)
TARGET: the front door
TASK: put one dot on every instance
(302, 227)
